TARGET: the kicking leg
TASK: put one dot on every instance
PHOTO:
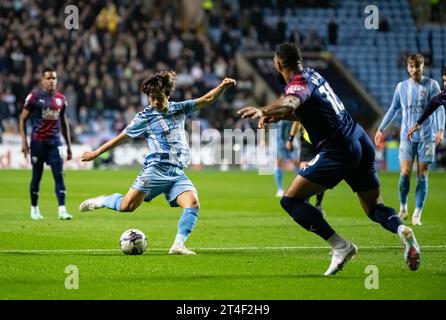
(116, 202)
(187, 200)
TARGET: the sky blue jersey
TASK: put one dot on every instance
(411, 98)
(164, 133)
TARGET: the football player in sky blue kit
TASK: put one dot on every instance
(162, 125)
(46, 107)
(283, 153)
(345, 152)
(411, 97)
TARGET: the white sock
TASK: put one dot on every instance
(35, 209)
(417, 212)
(337, 242)
(62, 209)
(180, 239)
(400, 230)
(403, 207)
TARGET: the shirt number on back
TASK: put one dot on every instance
(326, 90)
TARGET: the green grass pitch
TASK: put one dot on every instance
(247, 246)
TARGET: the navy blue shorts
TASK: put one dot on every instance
(46, 151)
(352, 161)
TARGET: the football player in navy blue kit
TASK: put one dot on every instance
(345, 152)
(46, 108)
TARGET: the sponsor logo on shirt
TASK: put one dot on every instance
(50, 114)
(295, 88)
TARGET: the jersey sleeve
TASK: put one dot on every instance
(432, 106)
(137, 126)
(29, 101)
(393, 110)
(187, 106)
(298, 88)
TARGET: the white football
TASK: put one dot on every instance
(133, 242)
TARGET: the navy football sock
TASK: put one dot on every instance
(35, 181)
(386, 216)
(59, 186)
(307, 216)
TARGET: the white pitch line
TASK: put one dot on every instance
(206, 249)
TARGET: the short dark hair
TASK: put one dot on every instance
(163, 80)
(416, 57)
(443, 71)
(48, 69)
(289, 55)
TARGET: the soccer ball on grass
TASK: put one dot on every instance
(133, 242)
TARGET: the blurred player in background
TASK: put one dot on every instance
(307, 153)
(345, 152)
(411, 97)
(162, 125)
(284, 153)
(46, 107)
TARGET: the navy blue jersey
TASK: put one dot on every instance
(45, 109)
(321, 111)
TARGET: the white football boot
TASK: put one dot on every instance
(35, 213)
(411, 249)
(403, 215)
(179, 248)
(340, 257)
(92, 204)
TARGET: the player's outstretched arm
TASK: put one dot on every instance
(212, 96)
(281, 109)
(91, 155)
(22, 127)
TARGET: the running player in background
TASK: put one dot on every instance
(46, 107)
(307, 153)
(283, 153)
(345, 152)
(411, 97)
(162, 125)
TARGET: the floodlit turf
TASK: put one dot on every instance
(247, 246)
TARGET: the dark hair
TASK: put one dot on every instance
(48, 69)
(161, 81)
(289, 55)
(416, 57)
(443, 71)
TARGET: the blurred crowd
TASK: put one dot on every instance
(118, 44)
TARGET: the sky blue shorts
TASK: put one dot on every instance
(425, 151)
(159, 178)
